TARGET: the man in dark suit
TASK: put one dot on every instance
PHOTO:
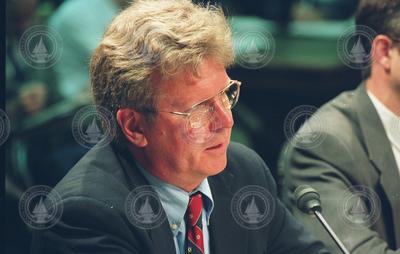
(170, 181)
(355, 166)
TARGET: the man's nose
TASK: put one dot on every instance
(222, 117)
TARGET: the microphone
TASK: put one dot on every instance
(308, 201)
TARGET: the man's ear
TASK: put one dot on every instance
(381, 47)
(130, 122)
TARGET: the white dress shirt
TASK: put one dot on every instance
(391, 123)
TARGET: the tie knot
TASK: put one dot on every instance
(194, 208)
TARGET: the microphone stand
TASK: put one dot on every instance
(308, 201)
(330, 231)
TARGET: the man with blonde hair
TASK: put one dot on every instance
(170, 182)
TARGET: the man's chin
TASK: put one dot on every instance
(217, 167)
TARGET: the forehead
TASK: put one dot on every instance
(185, 89)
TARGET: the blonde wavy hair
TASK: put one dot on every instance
(149, 37)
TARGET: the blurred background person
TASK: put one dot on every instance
(81, 25)
(356, 167)
(27, 89)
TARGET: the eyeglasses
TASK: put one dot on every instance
(229, 96)
(201, 115)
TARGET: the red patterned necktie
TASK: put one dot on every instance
(194, 232)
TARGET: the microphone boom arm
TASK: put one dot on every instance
(308, 201)
(331, 233)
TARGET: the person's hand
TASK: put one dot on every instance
(33, 97)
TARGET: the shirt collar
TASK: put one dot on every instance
(175, 200)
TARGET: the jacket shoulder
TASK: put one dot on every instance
(97, 176)
(247, 166)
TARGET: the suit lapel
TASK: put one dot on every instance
(380, 153)
(162, 239)
(161, 236)
(226, 236)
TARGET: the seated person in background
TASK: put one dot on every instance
(28, 89)
(356, 167)
(161, 70)
(81, 25)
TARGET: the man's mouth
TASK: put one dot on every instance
(215, 147)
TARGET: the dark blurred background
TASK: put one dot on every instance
(303, 69)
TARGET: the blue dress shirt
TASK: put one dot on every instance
(175, 201)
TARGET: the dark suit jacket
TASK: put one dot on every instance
(93, 221)
(355, 151)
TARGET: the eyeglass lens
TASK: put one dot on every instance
(201, 115)
(202, 118)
